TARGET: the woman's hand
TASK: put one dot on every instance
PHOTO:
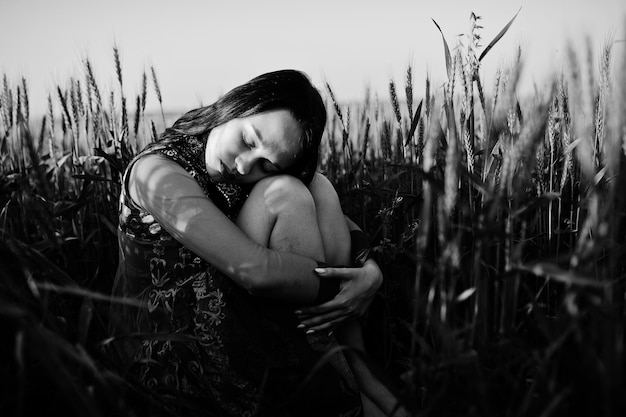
(358, 288)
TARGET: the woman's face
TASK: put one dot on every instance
(246, 149)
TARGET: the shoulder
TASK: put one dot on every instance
(147, 166)
(150, 172)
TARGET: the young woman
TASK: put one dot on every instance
(223, 223)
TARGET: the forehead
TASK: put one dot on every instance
(276, 130)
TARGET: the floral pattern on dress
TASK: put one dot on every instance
(184, 294)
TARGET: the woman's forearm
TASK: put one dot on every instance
(174, 198)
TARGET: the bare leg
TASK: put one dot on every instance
(336, 239)
(283, 214)
(331, 221)
(280, 214)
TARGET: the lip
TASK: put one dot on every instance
(226, 173)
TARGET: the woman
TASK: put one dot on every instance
(223, 251)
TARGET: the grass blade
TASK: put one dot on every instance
(498, 36)
(447, 52)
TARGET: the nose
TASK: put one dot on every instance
(243, 164)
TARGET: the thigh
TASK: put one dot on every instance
(331, 221)
(255, 218)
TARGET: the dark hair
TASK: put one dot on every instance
(285, 89)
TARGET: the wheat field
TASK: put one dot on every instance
(498, 221)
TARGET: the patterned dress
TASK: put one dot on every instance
(203, 345)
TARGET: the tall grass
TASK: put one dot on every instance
(498, 221)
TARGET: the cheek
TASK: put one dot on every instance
(213, 143)
(230, 142)
(254, 176)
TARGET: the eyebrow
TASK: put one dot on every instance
(260, 138)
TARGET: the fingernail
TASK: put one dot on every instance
(300, 326)
(320, 270)
(310, 331)
(330, 333)
(298, 312)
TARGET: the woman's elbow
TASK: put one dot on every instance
(260, 289)
(255, 280)
(253, 285)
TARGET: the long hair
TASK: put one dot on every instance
(279, 90)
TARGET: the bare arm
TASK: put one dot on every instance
(174, 198)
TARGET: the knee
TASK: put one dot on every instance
(323, 191)
(284, 194)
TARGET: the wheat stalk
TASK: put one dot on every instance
(74, 106)
(427, 107)
(7, 104)
(451, 184)
(18, 143)
(137, 115)
(157, 90)
(124, 118)
(591, 82)
(408, 89)
(364, 149)
(51, 137)
(118, 66)
(601, 107)
(565, 136)
(79, 98)
(345, 126)
(338, 111)
(155, 136)
(540, 169)
(496, 91)
(25, 101)
(466, 120)
(114, 121)
(553, 133)
(386, 148)
(347, 144)
(92, 84)
(144, 90)
(68, 124)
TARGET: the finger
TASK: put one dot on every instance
(338, 273)
(317, 320)
(326, 313)
(330, 305)
(331, 325)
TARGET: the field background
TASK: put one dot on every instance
(497, 218)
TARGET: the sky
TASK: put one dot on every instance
(202, 48)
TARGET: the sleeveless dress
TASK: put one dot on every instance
(203, 345)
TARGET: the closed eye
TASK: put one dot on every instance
(269, 167)
(248, 142)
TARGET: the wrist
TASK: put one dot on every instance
(328, 287)
(374, 272)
